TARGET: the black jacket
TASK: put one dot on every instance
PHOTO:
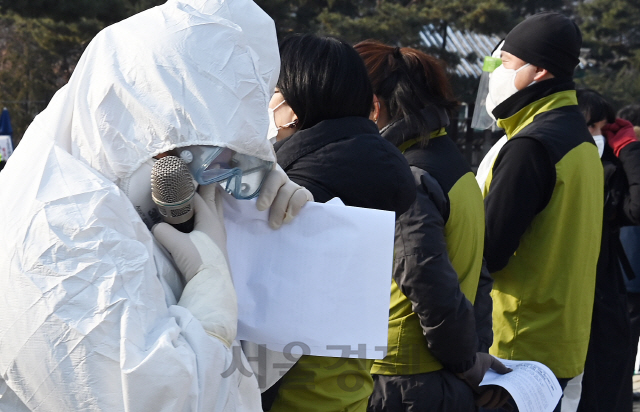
(443, 161)
(423, 271)
(347, 158)
(527, 190)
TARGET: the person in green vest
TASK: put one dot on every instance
(433, 361)
(543, 201)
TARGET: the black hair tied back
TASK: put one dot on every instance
(397, 53)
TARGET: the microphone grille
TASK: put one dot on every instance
(171, 181)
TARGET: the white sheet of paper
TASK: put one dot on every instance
(322, 280)
(532, 385)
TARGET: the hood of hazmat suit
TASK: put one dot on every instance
(88, 314)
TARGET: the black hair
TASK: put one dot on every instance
(594, 107)
(323, 78)
(631, 113)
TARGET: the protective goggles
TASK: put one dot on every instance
(240, 175)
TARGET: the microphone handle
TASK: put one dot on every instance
(185, 227)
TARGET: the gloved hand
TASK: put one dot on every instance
(283, 196)
(489, 396)
(201, 257)
(619, 134)
(493, 397)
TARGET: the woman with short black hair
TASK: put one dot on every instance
(327, 144)
(323, 78)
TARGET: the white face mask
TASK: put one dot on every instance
(137, 187)
(600, 142)
(273, 128)
(502, 85)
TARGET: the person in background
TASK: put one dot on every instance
(543, 201)
(606, 383)
(630, 238)
(632, 114)
(327, 144)
(433, 361)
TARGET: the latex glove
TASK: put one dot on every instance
(201, 257)
(212, 196)
(619, 134)
(283, 196)
(208, 220)
(490, 396)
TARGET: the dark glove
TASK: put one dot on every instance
(619, 134)
(490, 396)
(493, 397)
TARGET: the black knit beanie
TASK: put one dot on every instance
(548, 40)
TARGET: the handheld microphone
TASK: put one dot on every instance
(172, 189)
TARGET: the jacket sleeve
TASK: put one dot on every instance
(405, 195)
(483, 308)
(426, 277)
(630, 158)
(521, 186)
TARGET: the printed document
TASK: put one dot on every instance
(532, 385)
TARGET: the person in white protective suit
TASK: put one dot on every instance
(94, 313)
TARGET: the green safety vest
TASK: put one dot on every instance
(543, 298)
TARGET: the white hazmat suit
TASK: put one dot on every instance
(89, 318)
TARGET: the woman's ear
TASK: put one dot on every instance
(379, 113)
(294, 123)
(375, 109)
